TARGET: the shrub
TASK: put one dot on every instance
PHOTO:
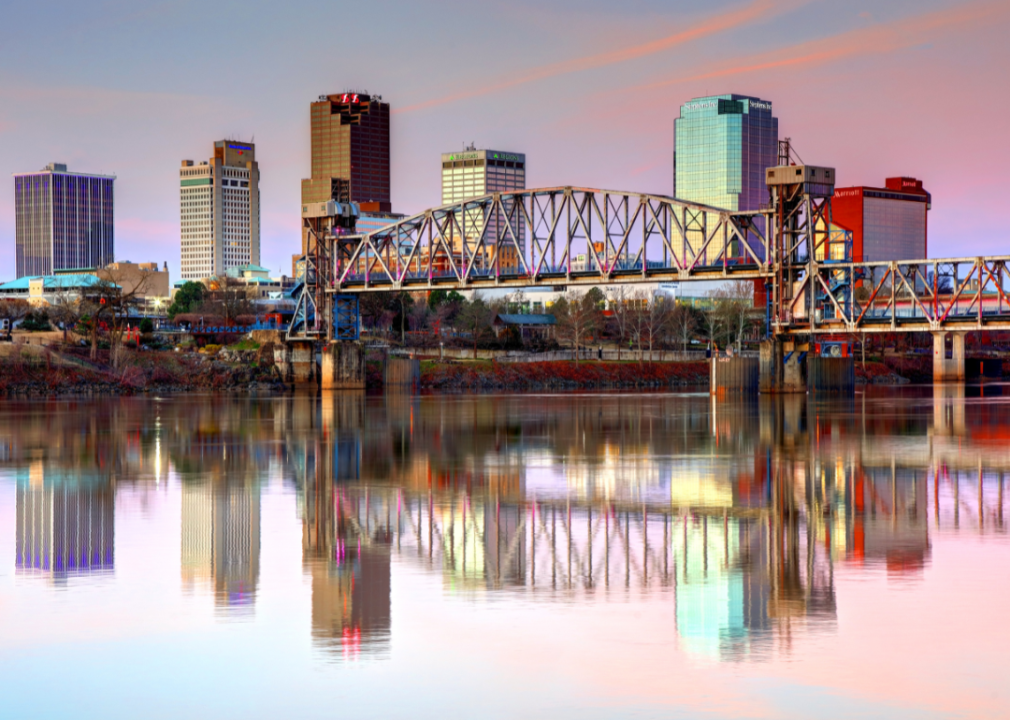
(36, 321)
(146, 326)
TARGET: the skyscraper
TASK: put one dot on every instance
(722, 146)
(63, 221)
(350, 151)
(219, 208)
(474, 173)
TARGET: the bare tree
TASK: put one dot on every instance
(684, 323)
(578, 317)
(657, 321)
(734, 304)
(228, 297)
(475, 317)
(620, 315)
(14, 310)
(107, 304)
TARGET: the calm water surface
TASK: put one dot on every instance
(596, 556)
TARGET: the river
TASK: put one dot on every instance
(525, 556)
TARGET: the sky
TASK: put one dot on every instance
(587, 89)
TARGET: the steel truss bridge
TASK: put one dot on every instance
(573, 236)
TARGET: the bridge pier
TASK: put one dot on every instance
(782, 369)
(948, 369)
(343, 366)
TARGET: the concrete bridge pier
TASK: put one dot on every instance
(343, 366)
(948, 369)
(781, 367)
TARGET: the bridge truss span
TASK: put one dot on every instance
(955, 294)
(562, 235)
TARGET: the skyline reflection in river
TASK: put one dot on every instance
(627, 537)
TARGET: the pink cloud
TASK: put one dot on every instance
(751, 13)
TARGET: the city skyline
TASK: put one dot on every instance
(928, 62)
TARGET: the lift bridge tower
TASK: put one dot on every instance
(321, 316)
(804, 245)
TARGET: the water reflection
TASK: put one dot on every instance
(739, 515)
(65, 522)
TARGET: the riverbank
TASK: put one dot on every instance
(560, 375)
(34, 371)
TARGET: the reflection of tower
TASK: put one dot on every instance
(64, 527)
(221, 540)
(350, 568)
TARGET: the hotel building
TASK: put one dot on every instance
(887, 223)
(63, 221)
(219, 208)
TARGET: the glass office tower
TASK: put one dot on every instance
(722, 146)
(63, 221)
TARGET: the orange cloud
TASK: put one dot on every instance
(756, 10)
(878, 39)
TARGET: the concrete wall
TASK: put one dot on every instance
(831, 375)
(402, 372)
(609, 355)
(343, 367)
(735, 375)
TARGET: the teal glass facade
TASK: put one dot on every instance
(722, 146)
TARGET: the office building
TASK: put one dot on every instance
(474, 173)
(722, 146)
(350, 151)
(219, 208)
(63, 221)
(887, 223)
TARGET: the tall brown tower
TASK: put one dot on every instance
(350, 151)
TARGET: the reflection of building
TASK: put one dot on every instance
(221, 540)
(219, 205)
(887, 223)
(890, 521)
(64, 526)
(350, 568)
(351, 599)
(63, 221)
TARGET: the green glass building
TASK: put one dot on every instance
(722, 146)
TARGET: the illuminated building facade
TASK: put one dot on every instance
(887, 223)
(219, 211)
(63, 221)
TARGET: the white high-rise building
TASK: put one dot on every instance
(219, 209)
(474, 173)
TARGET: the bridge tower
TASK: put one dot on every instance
(799, 223)
(320, 316)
